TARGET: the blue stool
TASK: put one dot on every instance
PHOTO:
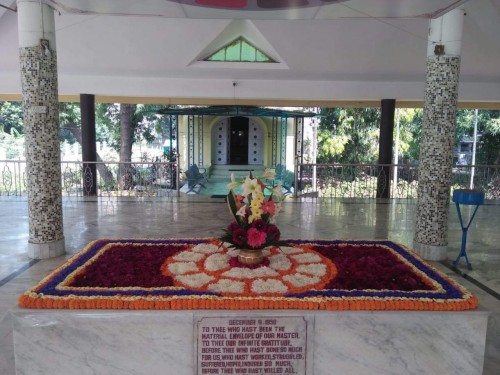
(467, 197)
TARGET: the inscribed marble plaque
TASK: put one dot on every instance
(251, 345)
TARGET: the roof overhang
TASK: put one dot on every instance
(349, 53)
(235, 111)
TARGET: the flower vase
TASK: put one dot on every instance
(250, 257)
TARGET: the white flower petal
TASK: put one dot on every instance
(307, 258)
(227, 286)
(216, 262)
(269, 174)
(232, 185)
(300, 280)
(247, 273)
(188, 256)
(232, 252)
(266, 251)
(179, 268)
(277, 191)
(196, 280)
(251, 186)
(206, 248)
(279, 262)
(242, 211)
(291, 250)
(268, 286)
(317, 269)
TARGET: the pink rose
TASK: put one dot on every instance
(256, 238)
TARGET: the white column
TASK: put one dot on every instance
(447, 30)
(37, 50)
(35, 22)
(436, 146)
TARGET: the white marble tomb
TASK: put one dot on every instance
(164, 342)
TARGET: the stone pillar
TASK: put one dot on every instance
(388, 107)
(436, 146)
(37, 49)
(89, 152)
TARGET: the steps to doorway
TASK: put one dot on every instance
(222, 173)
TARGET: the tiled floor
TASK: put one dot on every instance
(198, 216)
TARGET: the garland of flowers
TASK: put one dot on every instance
(430, 289)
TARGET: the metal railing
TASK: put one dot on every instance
(160, 179)
(153, 179)
(361, 180)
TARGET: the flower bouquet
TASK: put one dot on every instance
(254, 215)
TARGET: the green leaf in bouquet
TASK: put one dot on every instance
(233, 207)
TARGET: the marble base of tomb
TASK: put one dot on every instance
(164, 342)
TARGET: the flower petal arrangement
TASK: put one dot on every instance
(204, 274)
(254, 213)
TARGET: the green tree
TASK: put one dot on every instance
(13, 144)
(12, 129)
(490, 140)
(121, 125)
(70, 121)
(144, 124)
(11, 117)
(410, 125)
(488, 125)
(348, 135)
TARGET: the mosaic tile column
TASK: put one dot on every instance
(41, 124)
(436, 145)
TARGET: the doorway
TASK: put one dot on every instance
(238, 140)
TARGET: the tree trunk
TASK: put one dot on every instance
(125, 133)
(126, 175)
(103, 170)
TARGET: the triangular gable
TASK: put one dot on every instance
(239, 35)
(240, 50)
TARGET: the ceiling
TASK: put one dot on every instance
(328, 51)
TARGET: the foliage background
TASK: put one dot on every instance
(345, 135)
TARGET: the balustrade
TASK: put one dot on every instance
(157, 179)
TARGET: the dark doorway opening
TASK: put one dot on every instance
(239, 140)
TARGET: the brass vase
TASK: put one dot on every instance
(250, 257)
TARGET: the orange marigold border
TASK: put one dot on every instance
(36, 298)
